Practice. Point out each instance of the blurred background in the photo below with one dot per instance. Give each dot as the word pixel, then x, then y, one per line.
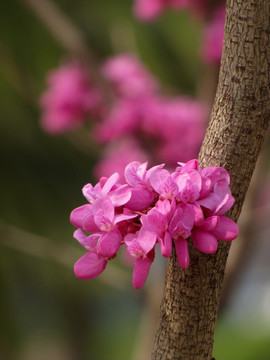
pixel 50 150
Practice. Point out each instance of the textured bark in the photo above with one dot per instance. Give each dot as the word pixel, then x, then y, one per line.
pixel 234 137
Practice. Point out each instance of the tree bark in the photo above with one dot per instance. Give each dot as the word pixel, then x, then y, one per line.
pixel 239 120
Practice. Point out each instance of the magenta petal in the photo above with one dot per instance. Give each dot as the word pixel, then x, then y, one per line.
pixel 146 240
pixel 131 173
pixel 89 224
pixel 88 242
pixel 210 223
pixel 226 230
pixel 121 195
pixel 158 179
pixel 103 210
pixel 88 192
pixel 181 247
pixel 190 165
pixel 140 272
pixel 206 187
pixel 182 221
pixel 78 214
pixel 89 266
pixel 216 174
pixel 111 181
pixel 198 215
pixel 225 205
pixel 204 241
pixel 141 199
pixel 210 202
pixel 166 245
pixel 109 244
pixel 154 221
pixel 122 217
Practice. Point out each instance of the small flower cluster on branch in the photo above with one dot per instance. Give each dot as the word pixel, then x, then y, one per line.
pixel 154 207
pixel 150 9
pixel 71 97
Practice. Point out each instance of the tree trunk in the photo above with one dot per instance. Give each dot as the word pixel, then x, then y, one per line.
pixel 234 137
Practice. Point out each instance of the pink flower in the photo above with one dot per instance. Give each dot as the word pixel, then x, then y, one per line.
pixel 157 221
pixel 69 99
pixel 163 183
pixel 149 9
pixel 185 121
pixel 91 264
pixel 122 119
pixel 212 229
pixel 215 194
pixel 140 246
pixel 128 76
pixel 106 220
pixel 108 188
pixel 180 230
pixel 142 193
pixel 213 37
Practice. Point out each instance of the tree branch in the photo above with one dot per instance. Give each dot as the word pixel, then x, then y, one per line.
pixel 239 120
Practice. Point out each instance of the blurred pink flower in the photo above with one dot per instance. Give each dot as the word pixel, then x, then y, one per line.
pixel 69 99
pixel 213 37
pixel 148 10
pixel 128 76
pixel 122 119
pixel 145 119
pixel 178 124
pixel 117 156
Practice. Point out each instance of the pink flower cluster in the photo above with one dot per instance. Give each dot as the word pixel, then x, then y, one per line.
pixel 150 9
pixel 69 99
pixel 139 113
pixel 154 207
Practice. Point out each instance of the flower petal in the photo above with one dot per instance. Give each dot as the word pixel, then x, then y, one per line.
pixel 89 266
pixel 210 223
pixel 198 215
pixel 89 193
pixel 88 242
pixel 121 195
pixel 146 239
pixel 77 215
pixel 190 165
pixel 140 272
pixel 225 205
pixel 182 221
pixel 103 211
pixel 226 230
pixel 204 241
pixel 141 199
pixel 131 174
pixel 122 217
pixel 166 244
pixel 111 181
pixel 109 244
pixel 89 224
pixel 160 179
pixel 181 247
pixel 154 221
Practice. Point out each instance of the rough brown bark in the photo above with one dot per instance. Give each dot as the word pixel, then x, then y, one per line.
pixel 234 137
